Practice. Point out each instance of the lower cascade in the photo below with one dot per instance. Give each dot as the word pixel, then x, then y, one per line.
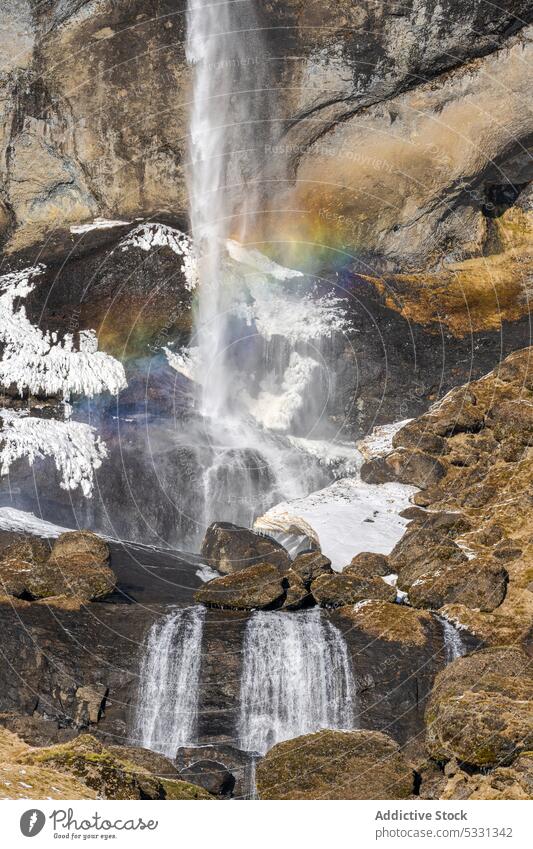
pixel 167 709
pixel 453 643
pixel 296 679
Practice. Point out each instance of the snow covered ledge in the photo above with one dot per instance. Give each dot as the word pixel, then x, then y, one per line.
pixel 38 363
pixel 350 516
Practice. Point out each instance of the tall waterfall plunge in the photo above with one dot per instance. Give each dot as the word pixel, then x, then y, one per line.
pixel 296 679
pixel 167 708
pixel 257 356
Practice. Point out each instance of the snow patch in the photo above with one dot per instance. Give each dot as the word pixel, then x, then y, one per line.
pixel 21 522
pixel 98 224
pixel 259 262
pixel 185 361
pixel 38 362
pixel 75 447
pixel 379 441
pixel 339 514
pixel 150 236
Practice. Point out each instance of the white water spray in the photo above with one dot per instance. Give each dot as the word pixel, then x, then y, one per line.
pixel 167 710
pixel 296 679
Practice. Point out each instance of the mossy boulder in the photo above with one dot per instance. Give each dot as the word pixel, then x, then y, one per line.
pixel 230 548
pixel 109 773
pixel 340 589
pixel 255 588
pixel 76 567
pixel 479 583
pixel 79 548
pixel 396 623
pixel 335 765
pixel 83 580
pixel 479 711
pixel 368 564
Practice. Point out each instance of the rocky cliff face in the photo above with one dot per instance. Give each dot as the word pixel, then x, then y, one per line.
pixel 412 114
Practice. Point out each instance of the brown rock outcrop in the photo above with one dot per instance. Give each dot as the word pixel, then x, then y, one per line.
pixel 335 765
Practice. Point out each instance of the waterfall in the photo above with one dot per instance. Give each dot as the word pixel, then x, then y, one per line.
pixel 229 105
pixel 296 679
pixel 167 708
pixel 453 642
pixel 259 371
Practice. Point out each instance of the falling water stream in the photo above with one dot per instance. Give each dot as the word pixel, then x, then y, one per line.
pixel 296 679
pixel 167 708
pixel 453 643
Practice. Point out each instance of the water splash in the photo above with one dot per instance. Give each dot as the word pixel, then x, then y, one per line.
pixel 296 679
pixel 167 709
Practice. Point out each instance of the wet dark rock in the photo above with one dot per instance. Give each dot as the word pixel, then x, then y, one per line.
pixel 236 762
pixel 36 730
pixel 230 549
pixel 212 776
pixel 335 765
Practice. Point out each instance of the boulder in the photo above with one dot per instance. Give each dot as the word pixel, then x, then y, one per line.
pixel 339 590
pixel 335 765
pixel 368 564
pixel 479 711
pixel 109 773
pixel 479 583
pixel 212 776
pixel 422 551
pixel 383 620
pixel 76 566
pixel 257 587
pixel 310 565
pixel 450 524
pixel 239 763
pixel 458 412
pixel 79 578
pixel 29 549
pixel 409 467
pixel 417 435
pixel 231 549
pixel 79 548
